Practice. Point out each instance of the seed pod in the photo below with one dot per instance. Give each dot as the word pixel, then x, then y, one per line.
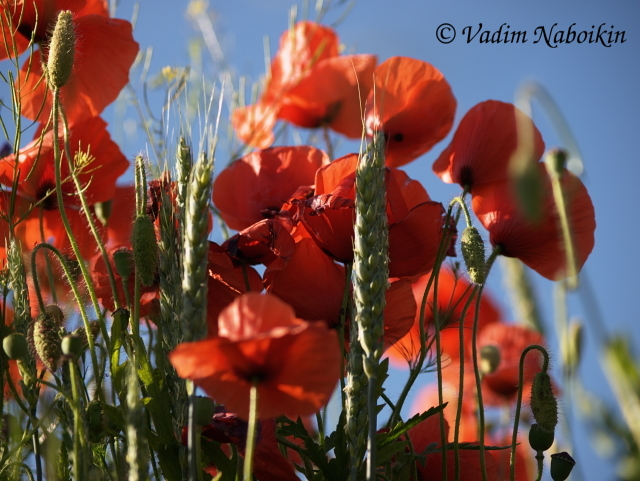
pixel 561 466
pixel 472 247
pixel 72 345
pixel 543 403
pixel 123 259
pixel 539 438
pixel 62 50
pixel 145 249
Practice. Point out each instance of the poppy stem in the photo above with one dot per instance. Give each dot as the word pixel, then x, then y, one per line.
pixel 456 432
pixel 516 421
pixel 251 431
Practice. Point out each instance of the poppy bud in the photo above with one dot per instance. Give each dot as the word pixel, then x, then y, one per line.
pixel 44 338
pixel 145 249
pixel 489 359
pixel 123 259
pixel 15 346
pixel 61 50
pixel 72 345
pixel 539 438
pixel 561 466
pixel 543 403
pixel 472 247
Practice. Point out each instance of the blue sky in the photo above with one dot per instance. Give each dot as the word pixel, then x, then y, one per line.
pixel 594 86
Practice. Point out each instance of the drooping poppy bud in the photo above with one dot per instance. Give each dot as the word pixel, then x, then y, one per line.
pixel 61 50
pixel 543 403
pixel 44 339
pixel 472 247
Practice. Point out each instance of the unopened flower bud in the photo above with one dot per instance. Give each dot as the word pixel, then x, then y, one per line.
pixel 72 345
pixel 123 259
pixel 15 346
pixel 145 249
pixel 561 466
pixel 543 403
pixel 489 359
pixel 61 50
pixel 472 247
pixel 45 339
pixel 539 438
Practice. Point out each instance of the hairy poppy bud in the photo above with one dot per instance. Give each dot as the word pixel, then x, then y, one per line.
pixel 145 249
pixel 44 338
pixel 539 438
pixel 561 466
pixel 123 259
pixel 489 359
pixel 61 50
pixel 543 403
pixel 472 247
pixel 15 346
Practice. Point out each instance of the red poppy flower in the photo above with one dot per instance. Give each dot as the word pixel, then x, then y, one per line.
pixel 501 386
pixel 103 164
pixel 453 292
pixel 104 52
pixel 483 144
pixel 412 103
pixel 309 86
pixel 538 244
pixel 295 363
pixel 426 434
pixel 255 187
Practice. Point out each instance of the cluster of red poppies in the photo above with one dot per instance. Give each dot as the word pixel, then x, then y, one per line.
pixel 294 210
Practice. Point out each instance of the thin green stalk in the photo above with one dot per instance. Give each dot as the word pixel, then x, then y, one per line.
pixel 251 431
pixel 456 432
pixel 79 467
pixel 55 112
pixel 476 370
pixel 516 421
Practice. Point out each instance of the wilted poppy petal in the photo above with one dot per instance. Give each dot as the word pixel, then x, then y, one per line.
pixel 261 243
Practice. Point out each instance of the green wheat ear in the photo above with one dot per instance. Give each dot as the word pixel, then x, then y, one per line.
pixel 145 249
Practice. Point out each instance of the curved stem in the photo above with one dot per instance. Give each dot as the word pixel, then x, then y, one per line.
pixel 514 439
